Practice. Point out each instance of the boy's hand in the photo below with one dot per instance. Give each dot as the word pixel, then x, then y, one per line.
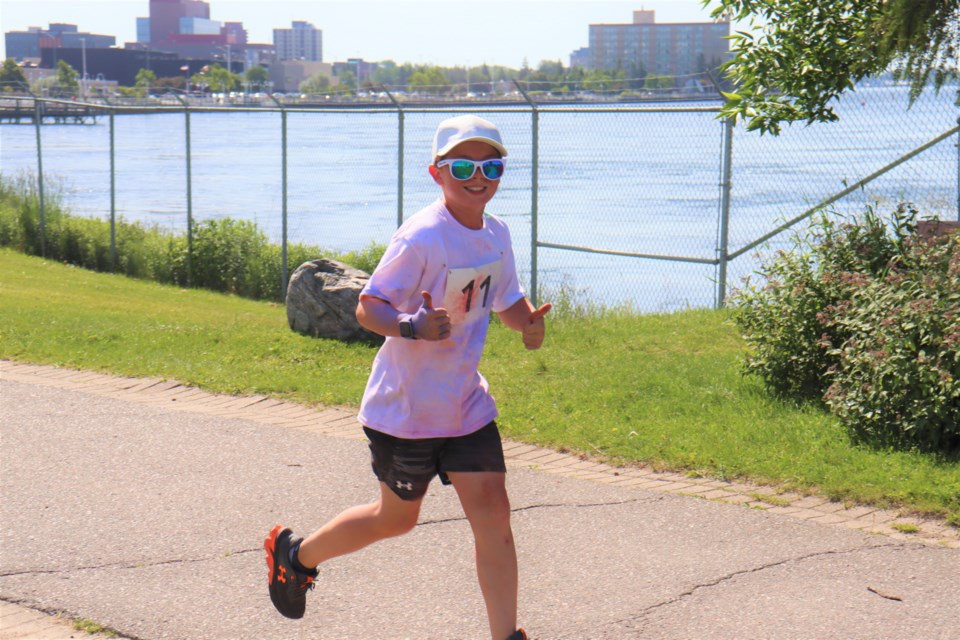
pixel 429 323
pixel 535 329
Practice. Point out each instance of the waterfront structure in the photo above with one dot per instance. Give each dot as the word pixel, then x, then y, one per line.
pixel 121 65
pixel 669 49
pixel 302 41
pixel 184 27
pixel 22 45
pixel 166 17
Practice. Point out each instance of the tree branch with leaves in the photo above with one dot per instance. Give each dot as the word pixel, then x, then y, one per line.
pixel 797 56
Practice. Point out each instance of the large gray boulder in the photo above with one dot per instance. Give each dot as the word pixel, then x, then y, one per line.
pixel 322 300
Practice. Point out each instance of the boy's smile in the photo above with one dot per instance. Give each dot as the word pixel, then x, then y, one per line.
pixel 466 199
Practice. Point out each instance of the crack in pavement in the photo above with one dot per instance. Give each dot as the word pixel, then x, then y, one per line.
pixel 638 618
pixel 558 505
pixel 126 565
pixel 160 563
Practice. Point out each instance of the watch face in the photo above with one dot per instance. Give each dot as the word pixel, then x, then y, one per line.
pixel 406 329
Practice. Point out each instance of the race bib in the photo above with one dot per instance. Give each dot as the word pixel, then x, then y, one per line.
pixel 470 292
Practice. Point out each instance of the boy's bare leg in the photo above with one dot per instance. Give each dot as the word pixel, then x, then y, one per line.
pixel 360 526
pixel 483 496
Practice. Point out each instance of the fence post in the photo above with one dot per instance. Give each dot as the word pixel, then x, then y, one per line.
pixel 38 121
pixel 534 192
pixel 113 197
pixel 401 116
pixel 186 114
pixel 284 279
pixel 725 187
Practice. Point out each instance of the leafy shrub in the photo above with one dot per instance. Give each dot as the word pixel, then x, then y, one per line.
pixel 365 259
pixel 780 316
pixel 864 315
pixel 897 380
pixel 224 256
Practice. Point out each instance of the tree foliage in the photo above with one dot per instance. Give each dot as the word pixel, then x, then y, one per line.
pixel 144 80
pixel 797 56
pixel 317 83
pixel 67 82
pixel 428 80
pixel 11 75
pixel 257 76
pixel 216 78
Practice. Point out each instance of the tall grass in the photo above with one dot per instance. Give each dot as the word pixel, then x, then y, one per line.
pixel 227 255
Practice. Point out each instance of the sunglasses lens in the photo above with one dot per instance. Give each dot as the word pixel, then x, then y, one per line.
pixel 493 169
pixel 462 169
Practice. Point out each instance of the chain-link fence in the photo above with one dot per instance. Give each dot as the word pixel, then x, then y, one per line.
pixel 658 207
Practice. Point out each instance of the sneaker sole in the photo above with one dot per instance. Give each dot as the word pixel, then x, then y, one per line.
pixel 270 546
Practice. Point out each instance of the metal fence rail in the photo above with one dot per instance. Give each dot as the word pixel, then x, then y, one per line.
pixel 599 192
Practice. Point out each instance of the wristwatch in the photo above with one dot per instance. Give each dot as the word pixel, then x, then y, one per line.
pixel 406 329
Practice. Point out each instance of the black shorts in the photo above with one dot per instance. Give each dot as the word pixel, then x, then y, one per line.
pixel 408 466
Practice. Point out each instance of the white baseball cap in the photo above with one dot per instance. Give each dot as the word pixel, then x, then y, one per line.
pixel 454 131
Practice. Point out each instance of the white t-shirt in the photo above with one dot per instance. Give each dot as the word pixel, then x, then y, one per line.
pixel 427 389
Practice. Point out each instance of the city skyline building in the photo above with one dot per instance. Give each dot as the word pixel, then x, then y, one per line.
pixel 668 49
pixel 166 17
pixel 302 41
pixel 184 27
pixel 22 45
pixel 199 27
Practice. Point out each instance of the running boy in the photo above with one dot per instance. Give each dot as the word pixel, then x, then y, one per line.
pixel 427 410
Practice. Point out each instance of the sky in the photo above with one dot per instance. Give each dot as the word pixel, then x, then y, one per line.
pixel 437 32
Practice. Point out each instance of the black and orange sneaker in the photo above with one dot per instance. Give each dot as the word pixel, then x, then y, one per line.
pixel 288 587
pixel 519 634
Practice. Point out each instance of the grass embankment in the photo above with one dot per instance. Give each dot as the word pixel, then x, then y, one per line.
pixel 665 390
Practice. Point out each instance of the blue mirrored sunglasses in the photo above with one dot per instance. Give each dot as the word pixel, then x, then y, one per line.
pixel 463 169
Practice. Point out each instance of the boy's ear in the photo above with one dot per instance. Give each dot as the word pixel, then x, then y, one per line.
pixel 434 173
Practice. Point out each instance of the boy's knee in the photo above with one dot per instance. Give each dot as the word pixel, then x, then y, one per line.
pixel 493 512
pixel 397 524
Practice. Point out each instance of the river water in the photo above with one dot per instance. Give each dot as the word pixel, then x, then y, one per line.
pixel 646 182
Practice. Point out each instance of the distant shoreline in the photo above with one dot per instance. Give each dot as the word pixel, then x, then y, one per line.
pixel 20 109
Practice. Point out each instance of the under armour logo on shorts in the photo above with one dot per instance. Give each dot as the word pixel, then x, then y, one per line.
pixel 405 485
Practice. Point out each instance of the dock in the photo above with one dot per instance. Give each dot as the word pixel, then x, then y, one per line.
pixel 22 111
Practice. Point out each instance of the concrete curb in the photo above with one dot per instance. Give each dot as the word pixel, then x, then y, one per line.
pixel 18 623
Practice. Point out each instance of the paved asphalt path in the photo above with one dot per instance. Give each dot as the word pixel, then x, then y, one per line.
pixel 150 521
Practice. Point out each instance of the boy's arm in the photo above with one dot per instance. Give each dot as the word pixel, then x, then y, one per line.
pixel 379 316
pixel 522 317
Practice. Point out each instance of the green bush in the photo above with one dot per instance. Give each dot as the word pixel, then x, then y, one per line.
pixel 225 255
pixel 780 316
pixel 864 315
pixel 897 380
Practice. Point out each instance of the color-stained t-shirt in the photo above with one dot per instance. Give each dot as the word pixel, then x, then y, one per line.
pixel 428 389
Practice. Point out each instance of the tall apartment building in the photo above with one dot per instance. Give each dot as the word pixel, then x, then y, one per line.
pixel 669 49
pixel 302 41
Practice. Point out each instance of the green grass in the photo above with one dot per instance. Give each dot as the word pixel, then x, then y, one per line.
pixel 91 627
pixel 664 390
